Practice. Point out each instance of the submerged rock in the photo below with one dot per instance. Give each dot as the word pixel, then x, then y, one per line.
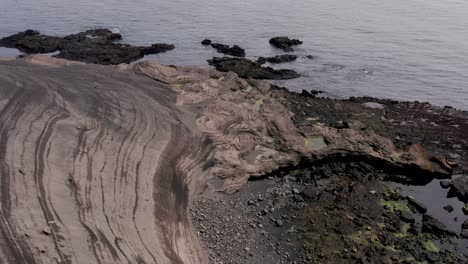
pixel 277 59
pixel 459 188
pixel 225 49
pixel 445 184
pixel 284 43
pixel 448 208
pixel 91 46
pixel 248 69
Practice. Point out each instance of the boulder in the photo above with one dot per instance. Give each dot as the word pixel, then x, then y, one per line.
pixel 459 188
pixel 248 69
pixel 284 43
pixel 206 42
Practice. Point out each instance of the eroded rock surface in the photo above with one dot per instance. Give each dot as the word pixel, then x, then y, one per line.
pixel 91 46
pixel 94 165
pixel 100 164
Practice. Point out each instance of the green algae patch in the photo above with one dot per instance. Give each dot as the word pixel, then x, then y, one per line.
pixel 258 104
pixel 430 246
pixel 404 231
pixel 394 205
pixel 183 83
pixel 315 142
pixel 391 248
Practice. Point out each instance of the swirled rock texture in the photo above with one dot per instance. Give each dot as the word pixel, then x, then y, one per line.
pixel 95 166
pixel 99 164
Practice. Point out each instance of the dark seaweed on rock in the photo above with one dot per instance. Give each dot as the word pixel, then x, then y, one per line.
pixel 91 46
pixel 248 69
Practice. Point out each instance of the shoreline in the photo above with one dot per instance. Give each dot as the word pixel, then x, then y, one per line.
pixel 219 132
pixel 119 53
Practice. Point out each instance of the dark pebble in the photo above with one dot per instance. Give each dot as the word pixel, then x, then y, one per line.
pixel 448 208
pixel 407 217
pixel 445 184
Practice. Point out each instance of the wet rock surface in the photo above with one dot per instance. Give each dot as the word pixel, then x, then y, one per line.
pixel 343 210
pixel 91 46
pixel 226 49
pixel 245 68
pixel 334 212
pixel 284 43
pixel 459 188
pixel 277 59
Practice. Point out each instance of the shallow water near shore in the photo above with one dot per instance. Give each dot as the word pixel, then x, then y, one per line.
pixel 404 50
pixel 435 198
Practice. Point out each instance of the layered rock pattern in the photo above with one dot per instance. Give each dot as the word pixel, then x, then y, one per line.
pixel 99 164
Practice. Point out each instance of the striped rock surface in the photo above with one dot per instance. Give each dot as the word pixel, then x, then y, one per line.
pixel 99 164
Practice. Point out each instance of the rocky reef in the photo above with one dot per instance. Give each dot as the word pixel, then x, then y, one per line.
pixel 245 68
pixel 91 46
pixel 146 163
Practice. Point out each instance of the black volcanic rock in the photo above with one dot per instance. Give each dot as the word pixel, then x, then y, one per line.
pixel 31 41
pixel 284 43
pixel 225 49
pixel 206 42
pixel 248 69
pixel 91 46
pixel 434 226
pixel 277 59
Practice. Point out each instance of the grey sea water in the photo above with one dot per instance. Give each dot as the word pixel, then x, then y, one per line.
pixel 398 49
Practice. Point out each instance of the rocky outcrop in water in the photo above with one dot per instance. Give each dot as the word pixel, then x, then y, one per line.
pixel 91 46
pixel 284 43
pixel 277 59
pixel 235 50
pixel 206 42
pixel 248 69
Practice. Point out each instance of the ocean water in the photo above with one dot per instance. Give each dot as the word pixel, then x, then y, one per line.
pixel 404 50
